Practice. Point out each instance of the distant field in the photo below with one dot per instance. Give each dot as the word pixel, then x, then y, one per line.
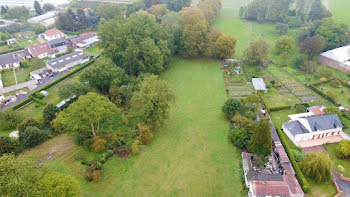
pixel 340 10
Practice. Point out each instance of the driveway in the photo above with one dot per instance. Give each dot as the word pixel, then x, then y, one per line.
pixel 344 186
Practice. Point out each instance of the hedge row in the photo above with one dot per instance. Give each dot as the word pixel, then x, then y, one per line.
pixel 300 176
pixel 325 96
pixel 11 50
pixel 3 43
pixel 31 95
pixel 70 32
pixel 279 108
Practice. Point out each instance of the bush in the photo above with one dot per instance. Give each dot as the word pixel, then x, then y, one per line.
pixel 135 147
pixel 78 140
pixel 343 149
pixel 32 136
pixel 30 122
pixel 279 108
pixel 299 156
pixel 300 108
pixel 317 166
pixel 145 134
pixel 38 95
pixel 49 113
pixel 97 176
pixel 335 83
pixel 231 107
pixel 98 144
pixel 7 145
pixel 239 137
pixel 88 143
pixel 9 119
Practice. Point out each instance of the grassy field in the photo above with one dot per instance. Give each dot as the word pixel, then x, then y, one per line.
pixel 340 10
pixel 190 156
pixel 331 148
pixel 342 93
pixel 94 50
pixel 8 76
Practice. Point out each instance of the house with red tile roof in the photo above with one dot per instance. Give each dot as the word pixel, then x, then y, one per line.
pixel 52 34
pixel 40 50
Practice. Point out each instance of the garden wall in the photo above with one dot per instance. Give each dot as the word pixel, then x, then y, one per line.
pixel 334 64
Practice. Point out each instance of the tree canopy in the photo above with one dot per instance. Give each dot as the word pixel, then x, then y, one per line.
pixel 85 114
pixel 261 142
pixel 138 44
pixel 54 184
pixel 317 166
pixel 152 101
pixel 257 53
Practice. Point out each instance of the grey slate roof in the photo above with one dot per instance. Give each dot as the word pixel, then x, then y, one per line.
pixel 259 176
pixel 324 122
pixel 67 59
pixel 10 58
pixel 57 41
pixel 295 127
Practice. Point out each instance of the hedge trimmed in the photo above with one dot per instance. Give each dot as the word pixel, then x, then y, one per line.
pixel 279 108
pixel 40 102
pixel 12 50
pixel 300 176
pixel 325 96
pixel 70 32
pixel 31 95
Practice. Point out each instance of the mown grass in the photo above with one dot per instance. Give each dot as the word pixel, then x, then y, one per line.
pixel 331 148
pixel 189 156
pixel 340 10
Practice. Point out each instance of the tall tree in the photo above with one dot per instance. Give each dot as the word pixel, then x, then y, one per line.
pixel 317 166
pixel 85 114
pixel 336 35
pixel 225 46
pixel 284 44
pixel 194 31
pixel 312 46
pixel 74 88
pixel 49 113
pixel 152 101
pixel 19 176
pixel 261 142
pixel 3 10
pixel 177 5
pixel 138 44
pixel 257 53
pixel 100 76
pixel 318 11
pixel 37 8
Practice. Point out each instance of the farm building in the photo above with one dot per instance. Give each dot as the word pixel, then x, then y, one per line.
pixel 46 19
pixel 67 61
pixel 259 84
pixel 338 58
pixel 313 128
pixel 11 41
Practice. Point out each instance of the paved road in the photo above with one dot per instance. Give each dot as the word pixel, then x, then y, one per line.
pixel 22 97
pixel 344 186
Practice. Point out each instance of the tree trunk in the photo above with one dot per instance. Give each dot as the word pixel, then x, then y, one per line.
pixel 93 129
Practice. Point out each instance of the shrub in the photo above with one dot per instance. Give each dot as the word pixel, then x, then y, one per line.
pixel 135 147
pixel 145 133
pixel 341 169
pixel 88 143
pixel 299 156
pixel 323 79
pixel 9 119
pixel 98 144
pixel 109 153
pixel 7 145
pixel 279 108
pixel 335 83
pixel 231 107
pixel 317 166
pixel 243 122
pixel 97 176
pixel 49 113
pixel 300 108
pixel 30 122
pixel 238 137
pixel 343 149
pixel 32 136
pixel 38 95
pixel 78 140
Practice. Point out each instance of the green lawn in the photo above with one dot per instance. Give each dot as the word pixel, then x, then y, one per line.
pixel 8 76
pixel 94 50
pixel 321 189
pixel 342 93
pixel 343 162
pixel 340 10
pixel 190 156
